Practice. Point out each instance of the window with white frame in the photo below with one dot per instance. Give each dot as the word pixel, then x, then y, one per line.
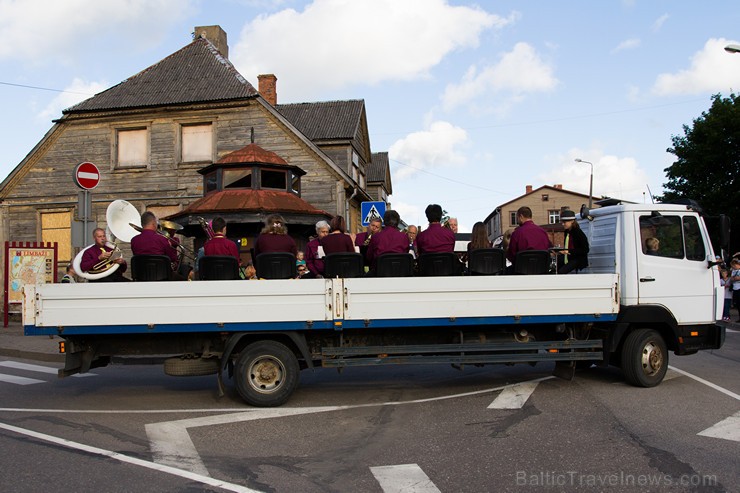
pixel 197 142
pixel 512 218
pixel 553 216
pixel 132 148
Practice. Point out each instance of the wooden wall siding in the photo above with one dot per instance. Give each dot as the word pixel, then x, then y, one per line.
pixel 49 183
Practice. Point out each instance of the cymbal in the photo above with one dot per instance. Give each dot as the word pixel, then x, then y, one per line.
pixel 170 225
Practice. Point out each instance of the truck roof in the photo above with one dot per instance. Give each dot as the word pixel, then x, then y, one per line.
pixel 617 209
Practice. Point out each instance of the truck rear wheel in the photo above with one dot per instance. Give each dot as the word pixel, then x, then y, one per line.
pixel 266 374
pixel 644 358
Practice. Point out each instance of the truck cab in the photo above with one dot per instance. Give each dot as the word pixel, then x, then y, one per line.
pixel 668 278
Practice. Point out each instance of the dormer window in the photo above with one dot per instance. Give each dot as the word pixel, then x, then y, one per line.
pixel 237 178
pixel 273 179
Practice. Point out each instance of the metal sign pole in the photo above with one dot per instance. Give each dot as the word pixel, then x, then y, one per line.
pixel 85 215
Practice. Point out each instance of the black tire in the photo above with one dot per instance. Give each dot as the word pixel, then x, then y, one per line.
pixel 644 358
pixel 266 374
pixel 191 367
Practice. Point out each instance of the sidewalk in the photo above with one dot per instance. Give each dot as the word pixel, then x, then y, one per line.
pixel 46 348
pixel 39 348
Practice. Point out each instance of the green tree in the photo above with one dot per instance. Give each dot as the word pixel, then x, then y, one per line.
pixel 707 166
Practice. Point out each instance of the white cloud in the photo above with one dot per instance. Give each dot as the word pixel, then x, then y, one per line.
pixel 77 91
pixel 627 44
pixel 658 24
pixel 436 147
pixel 335 43
pixel 44 29
pixel 614 176
pixel 410 213
pixel 711 70
pixel 517 73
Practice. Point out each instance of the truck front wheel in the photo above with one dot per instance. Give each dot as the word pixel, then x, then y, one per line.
pixel 644 358
pixel 266 374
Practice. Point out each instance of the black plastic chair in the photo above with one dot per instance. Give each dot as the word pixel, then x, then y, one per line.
pixel 278 265
pixel 218 268
pixel 439 264
pixel 343 264
pixel 151 268
pixel 529 262
pixel 486 262
pixel 394 265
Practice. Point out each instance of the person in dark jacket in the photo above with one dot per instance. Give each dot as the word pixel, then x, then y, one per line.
pixel 574 256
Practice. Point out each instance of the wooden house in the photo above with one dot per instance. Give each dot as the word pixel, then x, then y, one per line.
pixel 153 133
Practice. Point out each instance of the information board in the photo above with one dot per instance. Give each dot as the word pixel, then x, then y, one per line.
pixel 27 263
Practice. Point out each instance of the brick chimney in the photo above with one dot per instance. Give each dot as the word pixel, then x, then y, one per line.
pixel 216 36
pixel 528 189
pixel 559 186
pixel 268 87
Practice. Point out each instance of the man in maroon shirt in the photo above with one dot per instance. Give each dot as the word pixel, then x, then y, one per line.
pixel 528 236
pixel 150 242
pixel 219 244
pixel 436 238
pixel 100 253
pixel 388 240
pixel 361 239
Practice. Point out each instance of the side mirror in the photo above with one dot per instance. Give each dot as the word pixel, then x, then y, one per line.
pixel 724 232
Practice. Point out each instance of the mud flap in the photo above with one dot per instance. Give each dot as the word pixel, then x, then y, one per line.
pixel 565 370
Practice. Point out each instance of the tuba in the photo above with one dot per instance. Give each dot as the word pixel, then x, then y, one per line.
pixel 120 215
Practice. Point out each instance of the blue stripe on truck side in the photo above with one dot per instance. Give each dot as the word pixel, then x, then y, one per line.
pixel 32 330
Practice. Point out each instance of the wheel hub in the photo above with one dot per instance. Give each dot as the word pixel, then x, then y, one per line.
pixel 266 374
pixel 652 359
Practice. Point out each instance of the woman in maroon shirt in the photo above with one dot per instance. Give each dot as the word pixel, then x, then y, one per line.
pixel 337 240
pixel 274 237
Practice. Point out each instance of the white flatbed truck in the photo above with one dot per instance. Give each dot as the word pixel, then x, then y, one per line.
pixel 627 309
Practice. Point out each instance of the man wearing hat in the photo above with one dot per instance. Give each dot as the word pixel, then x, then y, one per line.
pixel 574 256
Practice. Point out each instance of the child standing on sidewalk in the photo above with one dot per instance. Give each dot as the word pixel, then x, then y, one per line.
pixel 727 283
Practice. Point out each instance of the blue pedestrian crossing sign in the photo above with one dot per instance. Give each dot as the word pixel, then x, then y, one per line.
pixel 370 211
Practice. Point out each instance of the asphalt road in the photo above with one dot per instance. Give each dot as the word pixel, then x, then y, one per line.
pixel 426 428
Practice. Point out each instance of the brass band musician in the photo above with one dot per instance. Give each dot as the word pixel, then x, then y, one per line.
pixel 99 257
pixel 150 242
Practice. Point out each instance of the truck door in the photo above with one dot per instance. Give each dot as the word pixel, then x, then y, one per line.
pixel 672 266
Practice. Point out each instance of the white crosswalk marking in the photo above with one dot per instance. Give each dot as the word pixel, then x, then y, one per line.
pixel 18 380
pixel 37 368
pixel 404 478
pixel 514 397
pixel 728 429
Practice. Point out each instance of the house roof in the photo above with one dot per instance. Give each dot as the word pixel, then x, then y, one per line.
pixel 327 120
pixel 543 187
pixel 245 201
pixel 379 170
pixel 196 73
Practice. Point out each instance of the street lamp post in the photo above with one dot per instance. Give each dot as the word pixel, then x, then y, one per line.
pixel 590 184
pixel 732 48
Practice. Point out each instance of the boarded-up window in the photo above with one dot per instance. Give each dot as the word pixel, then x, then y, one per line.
pixel 197 142
pixel 133 148
pixel 57 226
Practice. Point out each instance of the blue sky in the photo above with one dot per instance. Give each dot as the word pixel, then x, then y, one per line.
pixel 473 100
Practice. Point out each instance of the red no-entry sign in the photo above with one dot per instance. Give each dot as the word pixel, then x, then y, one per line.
pixel 87 176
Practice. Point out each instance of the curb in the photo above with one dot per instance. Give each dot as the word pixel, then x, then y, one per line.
pixel 32 355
